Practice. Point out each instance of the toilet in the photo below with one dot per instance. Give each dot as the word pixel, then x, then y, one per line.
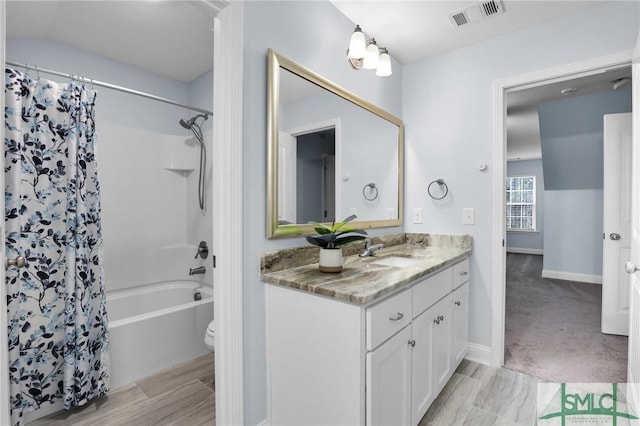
pixel 209 337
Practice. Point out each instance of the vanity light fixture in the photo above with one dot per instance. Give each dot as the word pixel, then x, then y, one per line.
pixel 363 55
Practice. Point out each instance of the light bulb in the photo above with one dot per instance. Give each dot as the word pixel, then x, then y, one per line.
pixel 372 57
pixel 384 64
pixel 357 45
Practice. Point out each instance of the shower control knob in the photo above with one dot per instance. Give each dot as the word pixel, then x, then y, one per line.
pixel 19 261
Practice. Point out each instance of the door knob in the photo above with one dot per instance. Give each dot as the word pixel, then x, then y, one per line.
pixel 19 261
pixel 630 267
pixel 614 236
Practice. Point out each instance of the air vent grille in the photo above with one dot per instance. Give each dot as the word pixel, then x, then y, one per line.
pixel 476 12
pixel 460 19
pixel 491 8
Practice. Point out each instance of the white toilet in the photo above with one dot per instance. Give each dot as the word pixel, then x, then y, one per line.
pixel 210 336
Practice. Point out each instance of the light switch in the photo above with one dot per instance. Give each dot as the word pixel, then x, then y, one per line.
pixel 354 211
pixel 468 216
pixel 417 215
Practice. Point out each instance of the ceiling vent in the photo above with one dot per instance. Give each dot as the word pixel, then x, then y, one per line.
pixel 476 12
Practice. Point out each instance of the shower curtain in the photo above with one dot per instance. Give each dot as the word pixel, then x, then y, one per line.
pixel 58 343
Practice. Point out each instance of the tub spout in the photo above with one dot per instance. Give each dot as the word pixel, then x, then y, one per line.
pixel 197 271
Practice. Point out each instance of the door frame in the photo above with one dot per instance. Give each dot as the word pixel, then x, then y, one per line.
pixel 332 123
pixel 500 87
pixel 227 217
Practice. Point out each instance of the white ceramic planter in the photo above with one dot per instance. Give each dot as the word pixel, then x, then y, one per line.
pixel 330 260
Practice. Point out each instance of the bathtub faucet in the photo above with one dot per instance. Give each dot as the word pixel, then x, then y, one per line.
pixel 197 271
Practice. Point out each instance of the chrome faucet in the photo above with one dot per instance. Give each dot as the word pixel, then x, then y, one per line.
pixel 370 249
pixel 197 271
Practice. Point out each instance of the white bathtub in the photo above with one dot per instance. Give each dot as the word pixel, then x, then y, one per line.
pixel 156 326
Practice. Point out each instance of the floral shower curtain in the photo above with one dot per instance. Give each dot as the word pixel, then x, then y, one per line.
pixel 58 343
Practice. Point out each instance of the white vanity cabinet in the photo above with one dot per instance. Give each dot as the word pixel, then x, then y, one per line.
pixel 335 363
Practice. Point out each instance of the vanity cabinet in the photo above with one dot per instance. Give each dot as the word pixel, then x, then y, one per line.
pixel 331 362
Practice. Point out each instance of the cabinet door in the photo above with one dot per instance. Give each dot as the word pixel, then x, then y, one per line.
pixel 389 381
pixel 460 323
pixel 422 394
pixel 442 322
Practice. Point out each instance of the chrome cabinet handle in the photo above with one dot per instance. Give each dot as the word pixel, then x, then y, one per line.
pixel 397 317
pixel 631 268
pixel 19 261
pixel 614 236
pixel 464 273
pixel 412 343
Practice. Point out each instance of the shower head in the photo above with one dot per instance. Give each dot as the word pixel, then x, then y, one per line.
pixel 188 124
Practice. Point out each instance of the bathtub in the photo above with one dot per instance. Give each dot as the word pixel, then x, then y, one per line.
pixel 156 326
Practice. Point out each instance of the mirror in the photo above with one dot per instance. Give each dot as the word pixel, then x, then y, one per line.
pixel 331 154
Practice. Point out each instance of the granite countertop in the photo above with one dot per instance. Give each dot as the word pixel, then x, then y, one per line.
pixel 362 281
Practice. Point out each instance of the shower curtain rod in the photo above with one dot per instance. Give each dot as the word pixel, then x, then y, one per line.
pixel 108 86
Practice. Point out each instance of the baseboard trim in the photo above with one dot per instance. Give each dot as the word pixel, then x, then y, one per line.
pixel 479 353
pixel 572 276
pixel 524 250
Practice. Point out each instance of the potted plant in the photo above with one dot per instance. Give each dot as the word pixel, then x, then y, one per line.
pixel 330 239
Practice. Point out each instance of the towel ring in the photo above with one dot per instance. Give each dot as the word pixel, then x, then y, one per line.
pixel 373 188
pixel 440 182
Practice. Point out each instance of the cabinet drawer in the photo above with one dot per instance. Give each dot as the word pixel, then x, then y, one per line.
pixel 432 289
pixel 387 318
pixel 460 273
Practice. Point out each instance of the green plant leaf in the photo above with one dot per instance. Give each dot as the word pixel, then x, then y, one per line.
pixel 321 228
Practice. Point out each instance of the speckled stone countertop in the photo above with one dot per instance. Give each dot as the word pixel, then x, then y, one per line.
pixel 362 281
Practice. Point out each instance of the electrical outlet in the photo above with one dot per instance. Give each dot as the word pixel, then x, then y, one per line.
pixel 354 211
pixel 391 213
pixel 468 216
pixel 417 215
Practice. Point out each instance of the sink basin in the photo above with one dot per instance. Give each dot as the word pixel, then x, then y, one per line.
pixel 397 261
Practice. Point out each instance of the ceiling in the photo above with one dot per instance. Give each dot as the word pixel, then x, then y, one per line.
pixel 171 38
pixel 523 127
pixel 174 38
pixel 414 30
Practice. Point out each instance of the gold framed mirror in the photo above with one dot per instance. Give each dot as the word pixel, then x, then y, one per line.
pixel 330 154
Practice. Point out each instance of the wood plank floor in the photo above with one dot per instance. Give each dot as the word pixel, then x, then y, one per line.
pixel 478 395
pixel 183 395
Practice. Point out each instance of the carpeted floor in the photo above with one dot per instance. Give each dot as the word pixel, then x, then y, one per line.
pixel 552 328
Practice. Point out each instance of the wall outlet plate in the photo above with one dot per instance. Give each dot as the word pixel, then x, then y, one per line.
pixel 417 215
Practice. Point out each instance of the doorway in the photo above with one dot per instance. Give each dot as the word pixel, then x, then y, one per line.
pixel 561 75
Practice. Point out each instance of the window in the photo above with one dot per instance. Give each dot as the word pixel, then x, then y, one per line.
pixel 521 203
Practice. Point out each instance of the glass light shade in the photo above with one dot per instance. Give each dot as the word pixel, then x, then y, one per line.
pixel 373 56
pixel 357 45
pixel 384 64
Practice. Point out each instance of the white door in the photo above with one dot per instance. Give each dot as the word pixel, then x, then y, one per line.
pixel 422 394
pixel 633 377
pixel 442 323
pixel 616 223
pixel 460 323
pixel 389 382
pixel 287 157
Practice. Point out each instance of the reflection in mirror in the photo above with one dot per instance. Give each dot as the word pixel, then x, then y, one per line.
pixel 331 154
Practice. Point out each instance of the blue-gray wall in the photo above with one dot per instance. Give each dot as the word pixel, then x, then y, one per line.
pixel 571 136
pixel 529 240
pixel 571 132
pixel 448 109
pixel 316 35
pixel 118 108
